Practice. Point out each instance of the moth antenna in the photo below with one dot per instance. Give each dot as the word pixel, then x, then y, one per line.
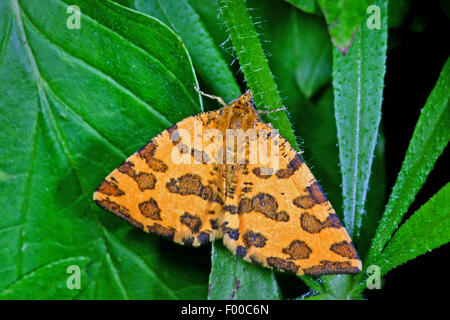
pixel 210 96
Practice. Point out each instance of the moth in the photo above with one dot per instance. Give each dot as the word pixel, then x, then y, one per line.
pixel 275 217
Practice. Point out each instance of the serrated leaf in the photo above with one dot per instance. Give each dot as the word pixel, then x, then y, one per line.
pixel 428 228
pixel 358 80
pixel 431 135
pixel 77 103
pixel 343 18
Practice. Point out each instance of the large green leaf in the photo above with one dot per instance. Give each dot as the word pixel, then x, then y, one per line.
pixel 76 103
pixel 50 280
pixel 343 18
pixel 428 228
pixel 431 135
pixel 206 56
pixel 358 80
pixel 309 6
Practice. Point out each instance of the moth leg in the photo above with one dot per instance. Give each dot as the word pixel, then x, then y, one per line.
pixel 210 96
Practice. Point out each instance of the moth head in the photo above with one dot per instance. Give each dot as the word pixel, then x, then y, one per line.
pixel 242 112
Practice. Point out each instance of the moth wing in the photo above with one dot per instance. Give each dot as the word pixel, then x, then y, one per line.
pixel 284 221
pixel 154 192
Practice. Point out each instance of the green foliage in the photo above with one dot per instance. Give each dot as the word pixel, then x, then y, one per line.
pixel 78 102
pixel 427 229
pixel 75 107
pixel 343 18
pixel 358 79
pixel 431 135
pixel 207 59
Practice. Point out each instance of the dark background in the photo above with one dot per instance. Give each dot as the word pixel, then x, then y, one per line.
pixel 418 51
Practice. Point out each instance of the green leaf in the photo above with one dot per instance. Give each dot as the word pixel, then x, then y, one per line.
pixel 308 6
pixel 430 137
pixel 358 80
pixel 428 228
pixel 207 59
pixel 308 54
pixel 47 282
pixel 375 195
pixel 343 18
pixel 234 279
pixel 78 102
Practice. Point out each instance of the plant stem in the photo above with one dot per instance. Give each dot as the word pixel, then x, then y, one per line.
pixel 254 64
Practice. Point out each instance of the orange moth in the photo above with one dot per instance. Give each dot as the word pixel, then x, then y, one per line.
pixel 199 181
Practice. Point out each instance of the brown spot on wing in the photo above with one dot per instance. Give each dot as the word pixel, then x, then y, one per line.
pixel 298 249
pixel 241 251
pixel 292 166
pixel 145 181
pixel 191 184
pixel 127 168
pixel 254 239
pixel 162 231
pixel 214 224
pixel 192 222
pixel 263 173
pixel 157 165
pixel 150 209
pixel 232 233
pixel 147 153
pixel 203 237
pixel 231 209
pixel 330 267
pixel 264 203
pixel 315 196
pixel 345 249
pixel 316 193
pixel 267 205
pixel 110 188
pixel 281 264
pixel 311 224
pixel 245 205
pixel 304 202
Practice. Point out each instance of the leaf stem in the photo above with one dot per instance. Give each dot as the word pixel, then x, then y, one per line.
pixel 254 64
